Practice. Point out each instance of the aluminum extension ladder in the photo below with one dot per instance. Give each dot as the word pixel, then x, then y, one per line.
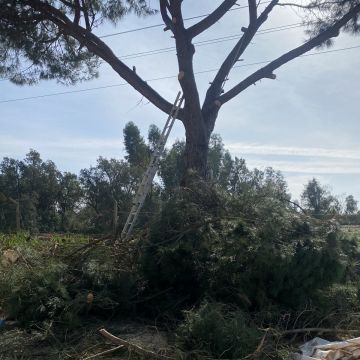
pixel 149 175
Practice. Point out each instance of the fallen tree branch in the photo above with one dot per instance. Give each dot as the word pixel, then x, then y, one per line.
pixel 132 347
pixel 317 330
pixel 89 245
pixel 104 352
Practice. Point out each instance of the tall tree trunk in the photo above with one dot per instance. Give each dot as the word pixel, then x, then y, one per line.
pixel 115 217
pixel 18 226
pixel 197 144
pixel 17 213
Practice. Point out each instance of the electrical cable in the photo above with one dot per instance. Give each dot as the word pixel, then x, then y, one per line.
pixel 162 24
pixel 198 44
pixel 168 77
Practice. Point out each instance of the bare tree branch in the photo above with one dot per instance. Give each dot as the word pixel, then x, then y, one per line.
pixel 267 71
pixel 215 88
pixel 252 12
pixel 309 6
pixel 99 48
pixel 86 16
pixel 211 19
pixel 164 6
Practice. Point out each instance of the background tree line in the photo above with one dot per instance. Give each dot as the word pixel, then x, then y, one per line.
pixel 36 196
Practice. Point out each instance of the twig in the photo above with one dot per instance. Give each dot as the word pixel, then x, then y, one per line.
pixel 318 330
pixel 104 352
pixel 89 245
pixel 258 348
pixel 261 344
pixel 132 347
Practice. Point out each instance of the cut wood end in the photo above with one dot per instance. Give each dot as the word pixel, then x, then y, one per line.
pixel 217 103
pixel 270 76
pixel 174 20
pixel 90 298
pixel 181 75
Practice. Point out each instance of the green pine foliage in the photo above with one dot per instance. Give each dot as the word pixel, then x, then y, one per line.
pixel 218 332
pixel 27 37
pixel 199 247
pixel 222 258
pixel 47 283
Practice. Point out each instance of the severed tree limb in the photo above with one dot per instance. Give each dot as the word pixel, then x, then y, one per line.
pixel 104 352
pixel 164 7
pixel 211 19
pixel 132 347
pixel 319 330
pixel 267 71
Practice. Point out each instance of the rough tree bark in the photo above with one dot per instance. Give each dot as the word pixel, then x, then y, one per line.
pixel 198 119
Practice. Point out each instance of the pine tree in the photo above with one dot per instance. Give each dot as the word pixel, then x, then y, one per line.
pixel 57 39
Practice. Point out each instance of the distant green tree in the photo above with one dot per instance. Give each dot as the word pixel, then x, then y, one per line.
pixel 215 156
pixel 135 146
pixel 154 134
pixel 41 185
pixel 110 186
pixel 10 195
pixel 351 205
pixel 69 198
pixel 30 192
pixel 318 200
pixel 172 166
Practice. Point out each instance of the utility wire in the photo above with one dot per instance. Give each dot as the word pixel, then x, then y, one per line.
pixel 210 41
pixel 198 44
pixel 162 24
pixel 168 77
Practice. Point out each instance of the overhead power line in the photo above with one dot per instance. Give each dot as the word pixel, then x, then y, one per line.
pixel 168 77
pixel 210 41
pixel 162 24
pixel 199 43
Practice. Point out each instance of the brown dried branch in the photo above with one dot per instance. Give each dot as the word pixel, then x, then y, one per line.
pixel 132 347
pixel 104 352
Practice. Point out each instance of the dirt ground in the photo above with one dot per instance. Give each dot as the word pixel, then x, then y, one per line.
pixel 85 343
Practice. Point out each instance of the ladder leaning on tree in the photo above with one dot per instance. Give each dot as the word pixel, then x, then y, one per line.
pixel 150 172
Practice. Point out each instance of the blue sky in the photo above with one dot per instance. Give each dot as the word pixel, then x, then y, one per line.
pixel 305 123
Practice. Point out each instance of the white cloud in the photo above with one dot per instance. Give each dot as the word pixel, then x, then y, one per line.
pixel 309 166
pixel 258 149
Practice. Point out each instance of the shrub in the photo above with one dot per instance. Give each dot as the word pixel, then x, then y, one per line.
pixel 212 330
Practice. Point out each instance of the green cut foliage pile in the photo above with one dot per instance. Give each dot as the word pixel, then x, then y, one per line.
pixel 206 243
pixel 226 271
pixel 49 280
pixel 217 332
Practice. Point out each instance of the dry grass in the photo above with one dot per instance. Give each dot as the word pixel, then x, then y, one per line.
pixel 352 230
